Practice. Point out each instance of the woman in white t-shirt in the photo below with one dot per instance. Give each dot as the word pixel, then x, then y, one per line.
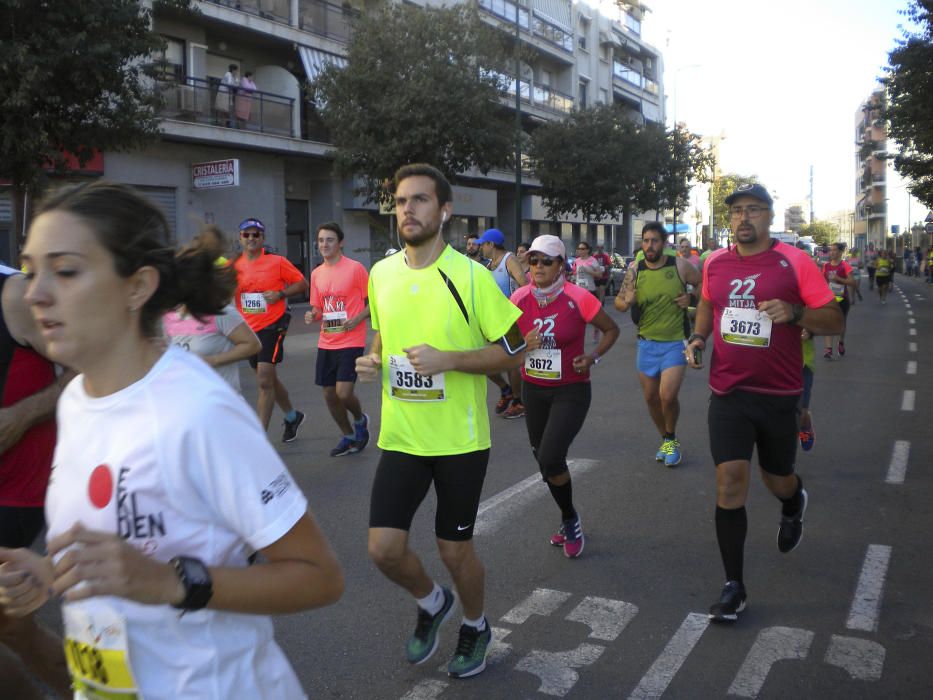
pixel 164 482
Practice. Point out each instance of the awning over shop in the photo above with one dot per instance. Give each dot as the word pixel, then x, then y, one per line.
pixel 314 61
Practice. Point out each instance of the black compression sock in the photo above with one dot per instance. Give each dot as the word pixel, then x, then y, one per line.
pixel 790 506
pixel 731 527
pixel 563 496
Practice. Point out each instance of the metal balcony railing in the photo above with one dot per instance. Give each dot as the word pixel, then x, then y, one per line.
pixel 506 10
pixel 549 98
pixel 206 102
pixel 326 19
pixel 623 72
pixel 276 10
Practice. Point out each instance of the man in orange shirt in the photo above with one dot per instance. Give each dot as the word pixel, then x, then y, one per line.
pixel 339 289
pixel 264 281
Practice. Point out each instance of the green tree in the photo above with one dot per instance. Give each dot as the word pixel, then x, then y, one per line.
pixel 823 232
pixel 909 82
pixel 723 186
pixel 588 164
pixel 421 84
pixel 599 164
pixel 72 81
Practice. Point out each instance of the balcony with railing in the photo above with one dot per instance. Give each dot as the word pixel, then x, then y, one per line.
pixel 552 34
pixel 625 73
pixel 652 87
pixel 504 9
pixel 206 102
pixel 326 19
pixel 541 96
pixel 275 10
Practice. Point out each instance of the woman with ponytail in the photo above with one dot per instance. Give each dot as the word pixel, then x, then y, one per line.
pixel 163 484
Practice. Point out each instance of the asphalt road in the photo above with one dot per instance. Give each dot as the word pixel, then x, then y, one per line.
pixel 846 615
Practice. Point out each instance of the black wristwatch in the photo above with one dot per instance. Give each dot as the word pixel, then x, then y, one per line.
pixel 197 582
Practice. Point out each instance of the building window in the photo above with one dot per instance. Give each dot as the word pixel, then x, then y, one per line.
pixel 584 30
pixel 583 86
pixel 169 63
pixel 604 96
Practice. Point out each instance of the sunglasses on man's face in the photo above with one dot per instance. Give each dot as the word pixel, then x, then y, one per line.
pixel 254 234
pixel 534 261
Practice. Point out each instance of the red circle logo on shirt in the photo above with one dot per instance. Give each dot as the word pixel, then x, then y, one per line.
pixel 100 486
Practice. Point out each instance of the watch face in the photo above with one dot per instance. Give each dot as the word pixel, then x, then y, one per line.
pixel 196 572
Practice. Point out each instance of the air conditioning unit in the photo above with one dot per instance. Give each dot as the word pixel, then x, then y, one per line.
pixel 187 99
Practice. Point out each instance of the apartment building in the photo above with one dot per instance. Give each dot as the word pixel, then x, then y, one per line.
pixel 225 156
pixel 872 165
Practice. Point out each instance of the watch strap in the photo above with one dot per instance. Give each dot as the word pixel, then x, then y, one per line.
pixel 196 580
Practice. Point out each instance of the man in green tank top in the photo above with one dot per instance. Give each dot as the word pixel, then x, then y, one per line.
pixel 656 286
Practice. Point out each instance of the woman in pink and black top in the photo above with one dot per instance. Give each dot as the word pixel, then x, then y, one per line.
pixel 556 375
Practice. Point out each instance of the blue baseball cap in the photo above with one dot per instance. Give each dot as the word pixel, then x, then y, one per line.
pixel 492 235
pixel 252 223
pixel 751 190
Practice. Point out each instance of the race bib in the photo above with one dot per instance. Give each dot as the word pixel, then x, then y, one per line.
pixel 332 321
pixel 96 651
pixel 543 364
pixel 838 289
pixel 405 384
pixel 253 303
pixel 745 327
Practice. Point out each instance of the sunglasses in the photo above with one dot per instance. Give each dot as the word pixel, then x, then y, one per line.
pixel 534 261
pixel 255 234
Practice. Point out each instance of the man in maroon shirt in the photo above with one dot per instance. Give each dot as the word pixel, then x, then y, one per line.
pixel 757 295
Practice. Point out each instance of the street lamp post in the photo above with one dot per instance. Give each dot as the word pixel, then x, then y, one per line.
pixel 518 129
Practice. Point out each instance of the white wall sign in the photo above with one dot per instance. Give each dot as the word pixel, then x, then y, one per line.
pixel 215 173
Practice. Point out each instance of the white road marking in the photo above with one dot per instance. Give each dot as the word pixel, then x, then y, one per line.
pixel 499 649
pixel 912 331
pixel 665 667
pixel 426 690
pixel 911 347
pixel 897 469
pixel 555 669
pixel 910 398
pixel 909 311
pixel 911 367
pixel 542 601
pixel 863 615
pixel 495 510
pixel 862 659
pixel 911 321
pixel 605 617
pixel 773 644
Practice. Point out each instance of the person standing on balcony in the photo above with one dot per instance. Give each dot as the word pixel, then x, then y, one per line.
pixel 225 92
pixel 244 99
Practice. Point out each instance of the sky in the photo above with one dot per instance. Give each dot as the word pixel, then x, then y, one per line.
pixel 782 80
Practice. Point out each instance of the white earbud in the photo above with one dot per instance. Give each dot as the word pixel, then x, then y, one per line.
pixel 443 217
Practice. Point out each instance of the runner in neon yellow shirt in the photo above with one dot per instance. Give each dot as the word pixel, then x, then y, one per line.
pixel 442 325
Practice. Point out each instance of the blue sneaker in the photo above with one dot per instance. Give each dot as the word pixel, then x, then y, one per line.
pixel 472 647
pixel 346 446
pixel 423 643
pixel 672 454
pixel 661 454
pixel 361 433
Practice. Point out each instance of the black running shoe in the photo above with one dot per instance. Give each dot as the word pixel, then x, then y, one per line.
pixel 791 530
pixel 291 427
pixel 731 603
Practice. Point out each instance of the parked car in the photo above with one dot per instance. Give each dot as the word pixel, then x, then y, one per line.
pixel 620 264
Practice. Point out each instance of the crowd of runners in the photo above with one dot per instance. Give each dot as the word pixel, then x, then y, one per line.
pixel 174 529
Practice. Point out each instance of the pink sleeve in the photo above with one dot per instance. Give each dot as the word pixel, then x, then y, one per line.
pixel 589 305
pixel 314 298
pixel 363 281
pixel 846 269
pixel 704 287
pixel 814 290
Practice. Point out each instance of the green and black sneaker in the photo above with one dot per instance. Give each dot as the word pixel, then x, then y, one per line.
pixel 472 647
pixel 423 643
